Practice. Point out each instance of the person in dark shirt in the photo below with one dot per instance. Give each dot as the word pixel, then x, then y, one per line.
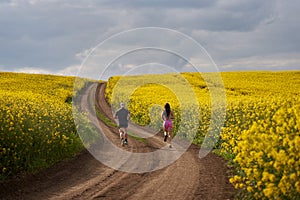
pixel 123 116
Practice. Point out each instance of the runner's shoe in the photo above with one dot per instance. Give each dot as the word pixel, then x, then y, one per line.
pixel 126 142
pixel 165 138
pixel 122 142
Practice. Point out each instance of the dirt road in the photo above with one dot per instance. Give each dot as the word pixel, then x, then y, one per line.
pixel 84 177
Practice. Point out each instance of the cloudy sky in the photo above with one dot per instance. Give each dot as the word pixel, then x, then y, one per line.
pixel 55 36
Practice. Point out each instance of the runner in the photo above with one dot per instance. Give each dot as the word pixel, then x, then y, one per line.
pixel 123 116
pixel 167 115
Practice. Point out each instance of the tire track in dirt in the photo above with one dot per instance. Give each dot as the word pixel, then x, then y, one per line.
pixel 86 178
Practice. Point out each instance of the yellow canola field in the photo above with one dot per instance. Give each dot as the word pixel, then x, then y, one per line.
pixel 36 123
pixel 260 136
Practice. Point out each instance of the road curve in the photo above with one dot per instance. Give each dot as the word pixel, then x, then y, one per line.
pixel 84 177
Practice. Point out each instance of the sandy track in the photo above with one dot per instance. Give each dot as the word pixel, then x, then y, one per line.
pixel 86 178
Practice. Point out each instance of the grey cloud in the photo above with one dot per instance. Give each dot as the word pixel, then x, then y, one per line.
pixel 164 4
pixel 48 21
pixel 240 16
pixel 276 35
pixel 4 1
pixel 50 33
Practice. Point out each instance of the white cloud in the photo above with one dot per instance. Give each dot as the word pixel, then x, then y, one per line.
pixel 272 62
pixel 69 71
pixel 33 70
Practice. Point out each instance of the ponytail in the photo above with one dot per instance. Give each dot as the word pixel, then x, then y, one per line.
pixel 168 109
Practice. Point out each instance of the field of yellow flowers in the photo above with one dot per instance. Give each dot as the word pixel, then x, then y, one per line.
pixel 36 122
pixel 260 136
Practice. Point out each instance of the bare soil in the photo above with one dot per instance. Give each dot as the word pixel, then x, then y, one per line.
pixel 84 177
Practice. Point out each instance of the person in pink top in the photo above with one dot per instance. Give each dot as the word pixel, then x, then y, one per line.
pixel 167 116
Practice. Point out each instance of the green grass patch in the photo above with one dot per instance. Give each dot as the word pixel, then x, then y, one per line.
pixel 132 135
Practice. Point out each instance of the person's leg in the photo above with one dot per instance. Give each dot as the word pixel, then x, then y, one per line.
pixel 170 128
pixel 121 133
pixel 125 135
pixel 170 135
pixel 165 136
pixel 121 136
pixel 170 132
pixel 165 128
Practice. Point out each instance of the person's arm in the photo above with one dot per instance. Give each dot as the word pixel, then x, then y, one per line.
pixel 128 116
pixel 172 115
pixel 115 115
pixel 163 116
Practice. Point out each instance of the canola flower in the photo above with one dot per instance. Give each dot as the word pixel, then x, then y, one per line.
pixel 36 122
pixel 267 154
pixel 260 137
